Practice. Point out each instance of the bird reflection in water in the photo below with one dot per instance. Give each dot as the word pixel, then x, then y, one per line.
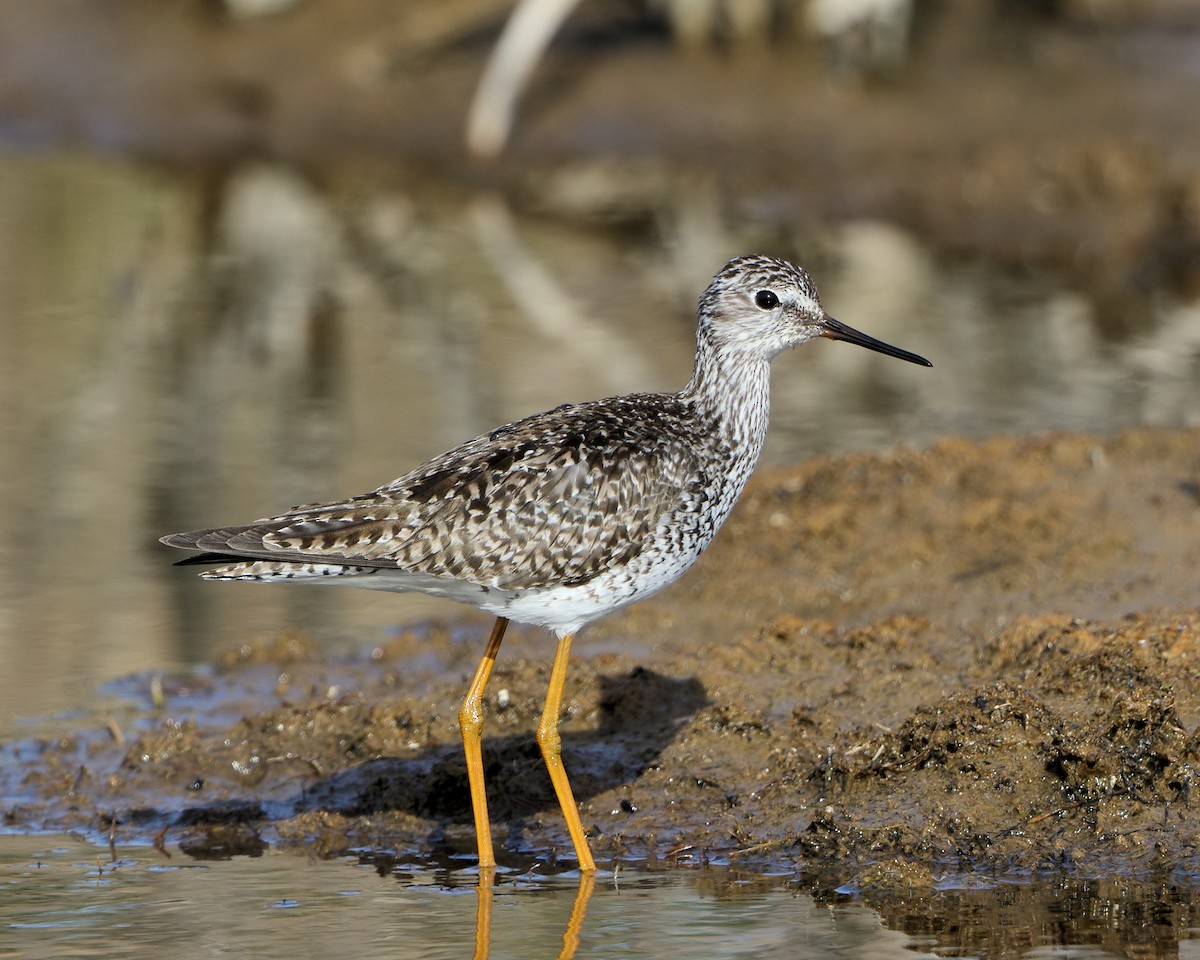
pixel 483 914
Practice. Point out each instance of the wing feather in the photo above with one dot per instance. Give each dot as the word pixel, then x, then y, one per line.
pixel 557 498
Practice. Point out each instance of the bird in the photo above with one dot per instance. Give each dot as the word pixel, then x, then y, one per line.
pixel 564 516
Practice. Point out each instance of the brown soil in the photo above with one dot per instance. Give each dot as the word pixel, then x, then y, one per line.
pixel 887 665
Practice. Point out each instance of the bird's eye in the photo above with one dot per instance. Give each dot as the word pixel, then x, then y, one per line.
pixel 766 299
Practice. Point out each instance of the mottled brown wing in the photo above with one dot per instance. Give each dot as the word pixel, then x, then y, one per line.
pixel 557 498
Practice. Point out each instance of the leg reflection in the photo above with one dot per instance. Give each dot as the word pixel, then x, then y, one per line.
pixel 571 935
pixel 483 915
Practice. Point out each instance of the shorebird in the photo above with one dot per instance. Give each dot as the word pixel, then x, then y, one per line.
pixel 564 516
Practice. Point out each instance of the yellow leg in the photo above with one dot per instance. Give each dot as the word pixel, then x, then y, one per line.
pixel 470 719
pixel 548 740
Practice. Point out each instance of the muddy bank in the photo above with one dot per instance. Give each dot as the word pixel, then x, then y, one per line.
pixel 979 656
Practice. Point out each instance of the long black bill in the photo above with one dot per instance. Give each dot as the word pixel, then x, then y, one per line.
pixel 836 330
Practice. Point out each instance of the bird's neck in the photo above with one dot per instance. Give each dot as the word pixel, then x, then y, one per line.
pixel 732 389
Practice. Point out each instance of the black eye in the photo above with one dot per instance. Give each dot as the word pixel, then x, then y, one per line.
pixel 766 299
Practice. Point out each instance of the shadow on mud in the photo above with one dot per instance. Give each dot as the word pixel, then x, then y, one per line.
pixel 640 713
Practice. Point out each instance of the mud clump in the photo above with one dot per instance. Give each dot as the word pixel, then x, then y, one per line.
pixel 888 666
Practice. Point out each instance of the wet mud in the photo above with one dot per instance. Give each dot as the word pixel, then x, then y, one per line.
pixel 980 656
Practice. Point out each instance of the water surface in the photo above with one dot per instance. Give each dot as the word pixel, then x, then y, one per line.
pixel 63 898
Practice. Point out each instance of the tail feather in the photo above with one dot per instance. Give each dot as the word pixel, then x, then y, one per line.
pixel 245 544
pixel 205 558
pixel 212 538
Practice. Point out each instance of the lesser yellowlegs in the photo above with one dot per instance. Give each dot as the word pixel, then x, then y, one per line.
pixel 564 516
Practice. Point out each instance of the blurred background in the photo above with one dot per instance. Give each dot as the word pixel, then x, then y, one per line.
pixel 263 252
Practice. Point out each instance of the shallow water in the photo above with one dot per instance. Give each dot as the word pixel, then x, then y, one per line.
pixel 64 898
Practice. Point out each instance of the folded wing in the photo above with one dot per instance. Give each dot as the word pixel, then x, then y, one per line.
pixel 528 505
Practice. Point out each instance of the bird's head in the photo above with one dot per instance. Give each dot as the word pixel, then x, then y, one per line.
pixel 757 306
